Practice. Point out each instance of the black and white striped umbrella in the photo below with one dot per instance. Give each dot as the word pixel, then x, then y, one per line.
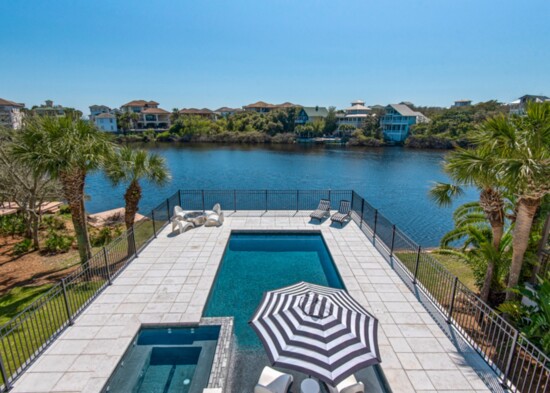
pixel 317 330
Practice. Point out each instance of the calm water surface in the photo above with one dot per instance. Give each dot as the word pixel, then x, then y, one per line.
pixel 395 180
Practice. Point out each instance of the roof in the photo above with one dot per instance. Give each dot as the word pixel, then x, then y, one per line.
pixel 155 111
pixel 259 104
pixel 529 97
pixel 99 106
pixel 286 105
pixel 404 110
pixel 136 103
pixel 315 111
pixel 10 103
pixel 105 116
pixel 463 101
pixel 227 109
pixel 195 111
pixel 358 107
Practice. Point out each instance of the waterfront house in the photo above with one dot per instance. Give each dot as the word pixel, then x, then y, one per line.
pixel 460 103
pixel 150 115
pixel 264 107
pixel 11 115
pixel 397 121
pixel 106 122
pixel 204 112
pixel 97 110
pixel 517 107
pixel 355 115
pixel 309 114
pixel 49 109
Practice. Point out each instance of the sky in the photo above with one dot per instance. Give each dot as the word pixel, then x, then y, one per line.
pixel 206 53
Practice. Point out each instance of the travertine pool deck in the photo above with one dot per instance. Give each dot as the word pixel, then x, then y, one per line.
pixel 170 281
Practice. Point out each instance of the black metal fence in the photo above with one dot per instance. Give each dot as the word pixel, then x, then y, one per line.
pixel 28 334
pixel 521 366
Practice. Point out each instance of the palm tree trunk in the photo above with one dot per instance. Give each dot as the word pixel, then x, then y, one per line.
pixel 526 209
pixel 132 198
pixel 542 246
pixel 72 183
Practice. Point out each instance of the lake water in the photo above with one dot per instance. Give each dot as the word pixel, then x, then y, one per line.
pixel 395 180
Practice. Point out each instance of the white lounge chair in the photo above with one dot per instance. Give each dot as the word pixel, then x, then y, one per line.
pixel 181 225
pixel 348 385
pixel 273 381
pixel 178 212
pixel 215 217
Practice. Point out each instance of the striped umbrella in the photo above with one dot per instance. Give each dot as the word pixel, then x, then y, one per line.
pixel 317 330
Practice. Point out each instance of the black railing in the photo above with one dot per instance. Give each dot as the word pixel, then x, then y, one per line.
pixel 521 366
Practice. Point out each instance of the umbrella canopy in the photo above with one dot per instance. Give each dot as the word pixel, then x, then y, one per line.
pixel 317 330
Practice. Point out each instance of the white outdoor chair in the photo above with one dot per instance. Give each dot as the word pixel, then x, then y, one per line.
pixel 178 213
pixel 181 225
pixel 348 385
pixel 215 217
pixel 273 381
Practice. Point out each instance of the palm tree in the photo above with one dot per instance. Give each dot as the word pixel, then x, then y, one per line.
pixel 520 152
pixel 131 166
pixel 474 168
pixel 65 148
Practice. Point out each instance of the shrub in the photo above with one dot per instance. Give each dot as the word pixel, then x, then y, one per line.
pixel 12 225
pixel 104 236
pixel 65 209
pixel 53 223
pixel 22 247
pixel 56 243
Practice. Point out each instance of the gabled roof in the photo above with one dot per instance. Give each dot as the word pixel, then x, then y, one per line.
pixel 227 109
pixel 358 107
pixel 315 111
pixel 529 97
pixel 155 111
pixel 99 106
pixel 10 103
pixel 286 105
pixel 136 103
pixel 404 110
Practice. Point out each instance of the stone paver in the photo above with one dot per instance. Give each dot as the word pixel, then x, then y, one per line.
pixel 170 281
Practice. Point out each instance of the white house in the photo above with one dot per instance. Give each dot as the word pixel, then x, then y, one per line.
pixel 106 122
pixel 355 115
pixel 517 107
pixel 11 115
pixel 97 110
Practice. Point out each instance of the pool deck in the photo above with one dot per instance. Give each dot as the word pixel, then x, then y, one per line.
pixel 170 281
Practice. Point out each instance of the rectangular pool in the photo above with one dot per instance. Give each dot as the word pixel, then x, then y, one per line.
pixel 255 262
pixel 165 360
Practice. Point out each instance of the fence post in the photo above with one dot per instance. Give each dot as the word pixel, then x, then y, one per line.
pixel 509 361
pixel 362 210
pixel 453 295
pixel 107 265
pixel 179 197
pixel 7 385
pixel 154 225
pixel 266 200
pixel 67 305
pixel 297 200
pixel 235 200
pixel 416 266
pixel 167 210
pixel 375 222
pixel 329 195
pixel 133 234
pixel 202 191
pixel 392 241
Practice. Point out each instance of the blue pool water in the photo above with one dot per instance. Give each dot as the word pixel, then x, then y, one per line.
pixel 257 262
pixel 166 360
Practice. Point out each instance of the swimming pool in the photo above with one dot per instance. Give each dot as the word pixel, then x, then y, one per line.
pixel 165 360
pixel 255 262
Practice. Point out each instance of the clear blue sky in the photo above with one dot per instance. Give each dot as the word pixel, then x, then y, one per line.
pixel 214 53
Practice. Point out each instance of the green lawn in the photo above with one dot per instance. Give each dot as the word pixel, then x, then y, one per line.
pixel 458 268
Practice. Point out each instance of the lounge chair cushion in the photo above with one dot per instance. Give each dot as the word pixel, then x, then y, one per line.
pixel 322 211
pixel 214 219
pixel 348 385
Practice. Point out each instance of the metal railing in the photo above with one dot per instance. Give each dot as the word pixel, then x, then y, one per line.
pixel 521 366
pixel 29 333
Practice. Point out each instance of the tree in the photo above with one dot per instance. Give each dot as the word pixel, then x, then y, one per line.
pixel 331 122
pixel 519 148
pixel 131 166
pixel 68 149
pixel 475 168
pixel 25 187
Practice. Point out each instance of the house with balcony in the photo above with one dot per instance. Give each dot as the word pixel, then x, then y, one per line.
pixel 204 112
pixel 96 110
pixel 150 115
pixel 397 121
pixel 461 103
pixel 355 115
pixel 309 114
pixel 517 107
pixel 264 107
pixel 106 122
pixel 11 115
pixel 49 109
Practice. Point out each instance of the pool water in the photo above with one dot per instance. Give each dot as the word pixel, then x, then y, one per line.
pixel 256 262
pixel 166 360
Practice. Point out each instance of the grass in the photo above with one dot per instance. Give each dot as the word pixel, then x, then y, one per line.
pixel 458 268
